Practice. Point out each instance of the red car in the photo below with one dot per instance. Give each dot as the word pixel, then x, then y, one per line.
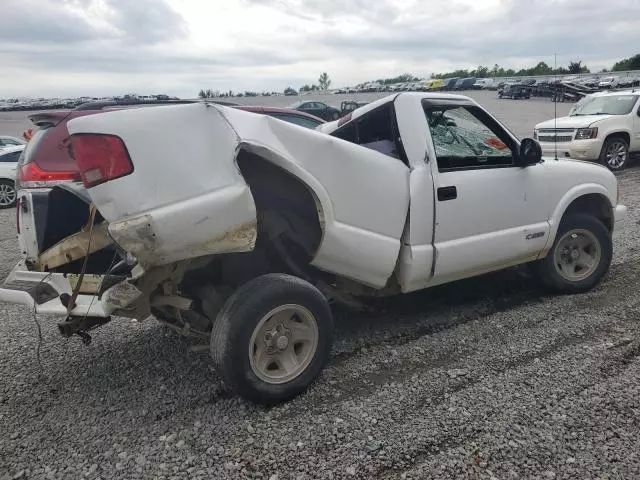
pixel 46 160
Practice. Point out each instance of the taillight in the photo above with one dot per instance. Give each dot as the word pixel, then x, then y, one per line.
pixel 32 176
pixel 100 158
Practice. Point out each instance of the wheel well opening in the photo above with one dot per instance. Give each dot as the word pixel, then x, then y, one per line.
pixel 623 135
pixel 594 204
pixel 278 196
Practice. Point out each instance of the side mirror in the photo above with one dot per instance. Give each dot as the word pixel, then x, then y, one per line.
pixel 530 152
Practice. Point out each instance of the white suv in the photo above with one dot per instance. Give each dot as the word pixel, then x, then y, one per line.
pixel 602 127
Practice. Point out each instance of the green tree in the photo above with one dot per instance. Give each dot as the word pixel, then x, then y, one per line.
pixel 481 72
pixel 324 81
pixel 208 93
pixel 577 67
pixel 632 63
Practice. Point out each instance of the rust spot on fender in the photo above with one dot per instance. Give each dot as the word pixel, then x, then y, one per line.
pixel 240 238
pixel 135 235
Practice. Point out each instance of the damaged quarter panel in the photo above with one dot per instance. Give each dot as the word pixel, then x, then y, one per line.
pixel 185 197
pixel 364 194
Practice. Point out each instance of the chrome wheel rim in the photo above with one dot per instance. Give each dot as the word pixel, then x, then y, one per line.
pixel 577 255
pixel 283 344
pixel 616 154
pixel 7 194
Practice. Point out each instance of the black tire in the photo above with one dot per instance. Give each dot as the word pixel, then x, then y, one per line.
pixel 235 325
pixel 8 194
pixel 611 143
pixel 547 271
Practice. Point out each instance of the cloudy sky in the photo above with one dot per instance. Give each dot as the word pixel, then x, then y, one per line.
pixel 105 47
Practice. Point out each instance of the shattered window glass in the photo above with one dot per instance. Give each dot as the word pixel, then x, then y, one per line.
pixel 463 141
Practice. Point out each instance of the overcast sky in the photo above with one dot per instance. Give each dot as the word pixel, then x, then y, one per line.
pixel 106 47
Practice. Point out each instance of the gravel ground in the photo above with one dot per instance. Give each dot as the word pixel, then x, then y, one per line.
pixel 486 378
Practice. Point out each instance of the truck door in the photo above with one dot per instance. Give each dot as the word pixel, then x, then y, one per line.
pixel 483 221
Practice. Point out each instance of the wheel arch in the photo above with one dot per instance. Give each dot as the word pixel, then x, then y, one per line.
pixel 590 198
pixel 625 135
pixel 265 171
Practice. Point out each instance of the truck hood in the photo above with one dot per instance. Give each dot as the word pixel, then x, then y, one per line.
pixel 576 121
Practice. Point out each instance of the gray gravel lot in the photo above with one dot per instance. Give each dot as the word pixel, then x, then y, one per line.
pixel 486 378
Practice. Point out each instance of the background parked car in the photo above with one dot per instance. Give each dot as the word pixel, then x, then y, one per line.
pixel 514 91
pixel 609 82
pixel 465 83
pixel 434 84
pixel 449 83
pixel 319 109
pixel 8 166
pixel 349 106
pixel 8 141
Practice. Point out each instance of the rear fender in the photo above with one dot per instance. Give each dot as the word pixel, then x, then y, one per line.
pixel 169 209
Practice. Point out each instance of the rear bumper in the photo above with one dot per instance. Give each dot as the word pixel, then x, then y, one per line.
pixel 41 292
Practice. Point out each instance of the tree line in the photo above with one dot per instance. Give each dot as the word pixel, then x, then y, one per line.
pixel 324 82
pixel 542 68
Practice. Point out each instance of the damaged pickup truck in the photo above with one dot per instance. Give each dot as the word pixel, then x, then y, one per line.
pixel 242 229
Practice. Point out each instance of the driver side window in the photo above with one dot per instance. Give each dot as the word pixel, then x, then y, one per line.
pixel 466 138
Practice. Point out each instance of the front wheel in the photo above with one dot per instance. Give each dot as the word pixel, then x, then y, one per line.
pixel 7 194
pixel 272 338
pixel 580 255
pixel 615 153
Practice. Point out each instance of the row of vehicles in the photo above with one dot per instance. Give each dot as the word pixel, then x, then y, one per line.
pixel 570 89
pixel 595 82
pixel 242 230
pixel 434 84
pixel 21 104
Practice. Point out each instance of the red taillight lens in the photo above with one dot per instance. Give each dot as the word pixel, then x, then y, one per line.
pixel 32 176
pixel 100 158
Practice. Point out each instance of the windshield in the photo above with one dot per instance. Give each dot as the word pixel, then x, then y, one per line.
pixel 609 105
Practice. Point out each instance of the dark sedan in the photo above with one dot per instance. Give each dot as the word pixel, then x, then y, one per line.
pixel 319 109
pixel 286 114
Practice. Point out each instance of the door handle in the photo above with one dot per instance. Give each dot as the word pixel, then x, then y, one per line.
pixel 447 193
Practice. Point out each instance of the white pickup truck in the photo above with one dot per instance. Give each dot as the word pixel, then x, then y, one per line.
pixel 242 229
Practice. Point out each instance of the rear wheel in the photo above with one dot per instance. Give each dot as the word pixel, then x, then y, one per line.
pixel 615 153
pixel 7 194
pixel 580 255
pixel 272 338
